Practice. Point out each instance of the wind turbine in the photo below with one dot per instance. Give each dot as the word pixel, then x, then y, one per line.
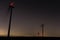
pixel 42 25
pixel 11 6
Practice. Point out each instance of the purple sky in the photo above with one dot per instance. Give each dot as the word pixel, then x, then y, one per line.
pixel 28 17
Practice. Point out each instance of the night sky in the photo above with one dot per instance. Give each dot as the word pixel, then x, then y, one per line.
pixel 28 15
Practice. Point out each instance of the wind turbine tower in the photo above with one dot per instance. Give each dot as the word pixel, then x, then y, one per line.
pixel 11 6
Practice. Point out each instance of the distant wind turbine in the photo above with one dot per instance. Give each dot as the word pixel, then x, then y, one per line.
pixel 42 25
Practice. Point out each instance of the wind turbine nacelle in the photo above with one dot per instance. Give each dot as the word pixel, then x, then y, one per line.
pixel 11 4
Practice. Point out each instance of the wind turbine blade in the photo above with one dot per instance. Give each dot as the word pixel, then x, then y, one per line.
pixel 8 10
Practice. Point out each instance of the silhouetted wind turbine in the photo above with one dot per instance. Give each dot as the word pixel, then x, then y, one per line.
pixel 38 34
pixel 11 6
pixel 42 30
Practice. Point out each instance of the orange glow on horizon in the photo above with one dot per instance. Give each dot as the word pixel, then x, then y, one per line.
pixel 2 32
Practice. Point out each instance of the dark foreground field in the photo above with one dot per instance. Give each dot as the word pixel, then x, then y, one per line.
pixel 30 38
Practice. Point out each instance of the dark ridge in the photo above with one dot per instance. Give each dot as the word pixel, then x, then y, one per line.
pixel 28 38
